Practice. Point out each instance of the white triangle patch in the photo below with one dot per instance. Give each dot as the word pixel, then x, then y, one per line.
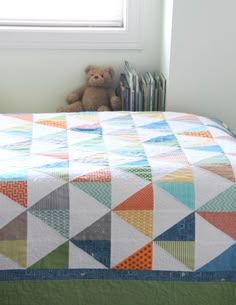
pixel 167 211
pixel 79 259
pixel 116 159
pixel 129 186
pixel 162 260
pixel 78 168
pixel 76 137
pixel 8 264
pixel 10 122
pixel 9 210
pixel 210 242
pixel 104 116
pixel 195 156
pixel 232 159
pixel 41 130
pixel 41 239
pixel 207 185
pixel 38 160
pixel 40 185
pixel 161 169
pixel 125 240
pixel 84 210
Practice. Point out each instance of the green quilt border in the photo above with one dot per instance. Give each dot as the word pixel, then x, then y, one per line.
pixel 115 292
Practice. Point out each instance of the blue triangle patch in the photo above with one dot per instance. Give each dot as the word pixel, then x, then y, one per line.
pixel 182 191
pixel 138 163
pixel 223 262
pixel 213 148
pixel 197 129
pixel 98 249
pixel 120 120
pixel 21 175
pixel 63 164
pixel 130 152
pixel 167 138
pixel 22 132
pixel 93 130
pixel 161 126
pixel 182 231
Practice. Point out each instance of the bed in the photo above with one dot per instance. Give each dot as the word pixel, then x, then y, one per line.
pixel 117 208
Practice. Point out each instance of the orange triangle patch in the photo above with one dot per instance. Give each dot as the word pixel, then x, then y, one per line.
pixel 224 221
pixel 15 229
pixel 63 156
pixel 181 158
pixel 202 134
pixel 23 116
pixel 140 260
pixel 102 175
pixel 15 190
pixel 52 123
pixel 187 117
pixel 141 200
pixel 223 170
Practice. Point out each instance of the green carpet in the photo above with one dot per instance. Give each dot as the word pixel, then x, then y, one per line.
pixel 105 292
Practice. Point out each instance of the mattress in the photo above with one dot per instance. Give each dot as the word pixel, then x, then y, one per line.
pixel 117 208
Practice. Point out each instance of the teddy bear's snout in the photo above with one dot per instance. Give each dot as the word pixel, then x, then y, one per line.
pixel 96 80
pixel 97 76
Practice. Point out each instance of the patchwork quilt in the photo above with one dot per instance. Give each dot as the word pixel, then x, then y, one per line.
pixel 117 195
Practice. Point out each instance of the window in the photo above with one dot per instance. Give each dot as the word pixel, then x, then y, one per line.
pixel 110 24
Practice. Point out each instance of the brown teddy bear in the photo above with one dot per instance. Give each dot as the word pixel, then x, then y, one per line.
pixel 96 94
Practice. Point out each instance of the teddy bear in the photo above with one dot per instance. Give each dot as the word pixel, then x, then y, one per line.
pixel 96 94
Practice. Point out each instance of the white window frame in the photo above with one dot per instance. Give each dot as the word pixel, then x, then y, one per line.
pixel 128 37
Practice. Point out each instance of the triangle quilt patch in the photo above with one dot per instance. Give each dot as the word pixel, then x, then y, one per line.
pixel 140 260
pixel 57 259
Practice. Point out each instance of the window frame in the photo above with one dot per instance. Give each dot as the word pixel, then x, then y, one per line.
pixel 128 37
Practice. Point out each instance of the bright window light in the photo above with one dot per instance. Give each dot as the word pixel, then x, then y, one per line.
pixel 82 13
pixel 68 24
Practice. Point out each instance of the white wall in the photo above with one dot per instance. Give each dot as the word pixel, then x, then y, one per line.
pixel 202 63
pixel 167 13
pixel 38 80
pixel 197 53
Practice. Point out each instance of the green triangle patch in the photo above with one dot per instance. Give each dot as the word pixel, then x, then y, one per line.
pixel 184 251
pixel 97 143
pixel 101 191
pixel 224 202
pixel 15 250
pixel 143 172
pixel 57 259
pixel 61 173
pixel 220 159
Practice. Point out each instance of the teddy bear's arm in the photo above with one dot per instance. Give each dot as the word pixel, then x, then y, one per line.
pixel 114 100
pixel 76 95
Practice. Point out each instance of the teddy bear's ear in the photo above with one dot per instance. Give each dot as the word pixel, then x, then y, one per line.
pixel 89 68
pixel 111 71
